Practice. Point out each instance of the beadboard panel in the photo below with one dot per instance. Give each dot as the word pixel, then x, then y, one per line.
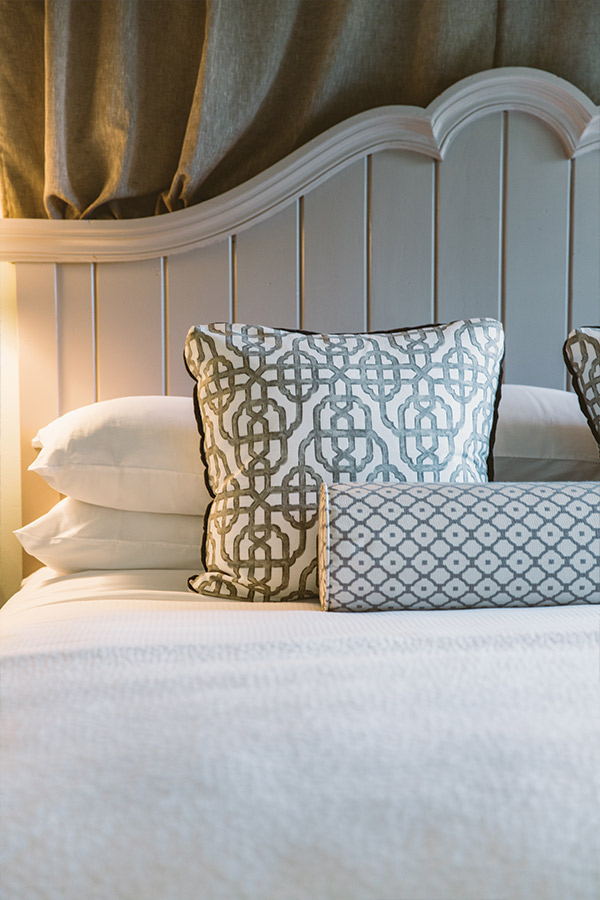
pixel 334 253
pixel 11 557
pixel 198 285
pixel 537 254
pixel 470 223
pixel 38 381
pixel 402 233
pixel 586 240
pixel 378 224
pixel 130 348
pixel 267 272
pixel 75 322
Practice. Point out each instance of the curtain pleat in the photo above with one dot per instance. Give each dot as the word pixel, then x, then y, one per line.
pixel 127 108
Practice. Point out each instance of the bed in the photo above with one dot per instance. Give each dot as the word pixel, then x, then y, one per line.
pixel 178 723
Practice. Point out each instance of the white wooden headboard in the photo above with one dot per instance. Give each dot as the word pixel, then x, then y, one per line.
pixel 485 203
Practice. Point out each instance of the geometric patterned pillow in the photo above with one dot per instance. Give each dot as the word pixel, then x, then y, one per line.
pixel 582 356
pixel 450 546
pixel 279 412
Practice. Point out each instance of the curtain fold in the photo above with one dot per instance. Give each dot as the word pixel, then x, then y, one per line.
pixel 127 108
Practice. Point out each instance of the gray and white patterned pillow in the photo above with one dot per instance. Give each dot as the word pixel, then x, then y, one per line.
pixel 582 356
pixel 450 546
pixel 281 411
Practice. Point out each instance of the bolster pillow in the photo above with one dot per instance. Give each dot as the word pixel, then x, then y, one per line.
pixel 458 546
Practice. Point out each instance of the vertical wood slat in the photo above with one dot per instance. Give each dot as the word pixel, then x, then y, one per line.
pixel 38 381
pixel 164 322
pixel 368 239
pixel 266 272
pixel 470 223
pixel 503 218
pixel 198 285
pixel 537 206
pixel 435 314
pixel 233 313
pixel 94 290
pixel 570 239
pixel 75 336
pixel 11 556
pixel 300 264
pixel 129 329
pixel 585 281
pixel 334 253
pixel 402 215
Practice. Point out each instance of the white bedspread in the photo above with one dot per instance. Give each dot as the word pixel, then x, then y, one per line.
pixel 157 746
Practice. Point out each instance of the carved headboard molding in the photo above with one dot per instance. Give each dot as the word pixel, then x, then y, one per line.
pixel 567 112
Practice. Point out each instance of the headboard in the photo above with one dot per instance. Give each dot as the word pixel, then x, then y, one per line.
pixel 485 203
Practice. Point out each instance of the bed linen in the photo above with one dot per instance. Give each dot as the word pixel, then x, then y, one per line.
pixel 178 747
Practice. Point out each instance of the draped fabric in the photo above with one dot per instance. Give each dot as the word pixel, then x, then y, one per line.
pixel 126 108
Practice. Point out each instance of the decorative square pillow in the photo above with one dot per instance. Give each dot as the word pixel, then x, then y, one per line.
pixel 281 411
pixel 582 356
pixel 450 546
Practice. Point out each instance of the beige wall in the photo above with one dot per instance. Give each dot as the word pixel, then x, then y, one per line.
pixel 10 485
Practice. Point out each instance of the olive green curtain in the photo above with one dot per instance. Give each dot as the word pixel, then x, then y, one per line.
pixel 125 108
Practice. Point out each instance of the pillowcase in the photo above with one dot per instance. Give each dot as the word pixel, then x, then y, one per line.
pixel 582 356
pixel 542 435
pixel 450 546
pixel 133 453
pixel 76 536
pixel 281 411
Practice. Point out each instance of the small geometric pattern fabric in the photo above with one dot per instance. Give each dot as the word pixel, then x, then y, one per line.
pixel 449 546
pixel 582 356
pixel 281 411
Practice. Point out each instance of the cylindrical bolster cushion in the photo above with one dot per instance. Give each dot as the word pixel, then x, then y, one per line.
pixel 458 546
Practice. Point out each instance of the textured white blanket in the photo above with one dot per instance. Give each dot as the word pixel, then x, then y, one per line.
pixel 155 747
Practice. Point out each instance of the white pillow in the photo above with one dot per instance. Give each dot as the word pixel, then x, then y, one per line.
pixel 75 536
pixel 133 453
pixel 542 435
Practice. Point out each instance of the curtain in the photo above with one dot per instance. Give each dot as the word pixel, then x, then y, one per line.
pixel 126 108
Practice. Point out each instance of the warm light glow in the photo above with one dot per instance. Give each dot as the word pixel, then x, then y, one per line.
pixel 10 483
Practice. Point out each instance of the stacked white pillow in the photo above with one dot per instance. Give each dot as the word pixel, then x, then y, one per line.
pixel 76 536
pixel 542 435
pixel 134 482
pixel 132 453
pixel 134 486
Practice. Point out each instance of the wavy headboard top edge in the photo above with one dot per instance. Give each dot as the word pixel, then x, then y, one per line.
pixel 568 113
